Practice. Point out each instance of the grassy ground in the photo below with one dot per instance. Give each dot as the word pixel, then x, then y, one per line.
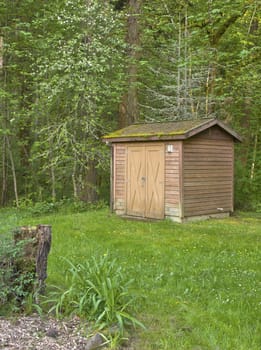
pixel 198 284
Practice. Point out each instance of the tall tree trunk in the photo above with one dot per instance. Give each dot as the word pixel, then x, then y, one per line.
pixel 13 171
pixel 253 165
pixel 215 35
pixel 89 188
pixel 179 61
pixel 53 184
pixel 1 52
pixel 209 87
pixel 129 110
pixel 52 173
pixel 4 175
pixel 186 91
pixel 74 181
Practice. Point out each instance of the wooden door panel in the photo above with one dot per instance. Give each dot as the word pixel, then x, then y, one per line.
pixel 155 182
pixel 145 183
pixel 136 181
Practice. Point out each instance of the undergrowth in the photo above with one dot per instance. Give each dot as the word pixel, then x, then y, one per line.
pixel 15 285
pixel 97 291
pixel 28 207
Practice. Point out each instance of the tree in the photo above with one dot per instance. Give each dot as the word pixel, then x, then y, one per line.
pixel 201 59
pixel 71 71
pixel 129 110
pixel 16 94
pixel 78 88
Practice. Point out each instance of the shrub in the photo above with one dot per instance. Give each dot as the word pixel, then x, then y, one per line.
pixel 97 291
pixel 28 207
pixel 15 285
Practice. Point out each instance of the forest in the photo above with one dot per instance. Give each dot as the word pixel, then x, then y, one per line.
pixel 73 70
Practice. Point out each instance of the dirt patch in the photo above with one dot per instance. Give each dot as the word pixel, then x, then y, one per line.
pixel 36 333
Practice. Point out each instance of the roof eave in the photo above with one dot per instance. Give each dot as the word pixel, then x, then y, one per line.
pixel 143 139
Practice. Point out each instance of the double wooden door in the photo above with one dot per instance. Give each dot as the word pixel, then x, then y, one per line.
pixel 145 181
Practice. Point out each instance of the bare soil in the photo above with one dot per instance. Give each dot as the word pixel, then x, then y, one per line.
pixel 36 333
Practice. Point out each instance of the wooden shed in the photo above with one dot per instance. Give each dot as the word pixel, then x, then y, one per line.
pixel 181 170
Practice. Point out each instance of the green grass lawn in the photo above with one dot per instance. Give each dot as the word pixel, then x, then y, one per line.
pixel 198 284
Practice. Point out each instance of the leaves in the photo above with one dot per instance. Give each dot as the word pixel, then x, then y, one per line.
pixel 97 290
pixel 64 77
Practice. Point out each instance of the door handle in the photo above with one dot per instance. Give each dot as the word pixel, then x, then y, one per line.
pixel 143 180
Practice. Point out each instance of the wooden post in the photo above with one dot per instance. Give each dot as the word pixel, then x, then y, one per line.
pixel 36 252
pixel 44 245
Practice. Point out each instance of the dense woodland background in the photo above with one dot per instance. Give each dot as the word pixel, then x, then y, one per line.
pixel 71 71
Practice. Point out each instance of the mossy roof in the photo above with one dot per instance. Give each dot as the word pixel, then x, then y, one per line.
pixel 166 131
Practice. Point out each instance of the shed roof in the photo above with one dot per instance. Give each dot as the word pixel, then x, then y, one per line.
pixel 176 130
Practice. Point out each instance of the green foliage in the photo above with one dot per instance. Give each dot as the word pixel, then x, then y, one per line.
pixel 61 90
pixel 200 59
pixel 30 208
pixel 74 107
pixel 15 285
pixel 39 208
pixel 98 291
pixel 58 101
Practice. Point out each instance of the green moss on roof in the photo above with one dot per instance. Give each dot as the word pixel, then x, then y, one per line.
pixel 157 129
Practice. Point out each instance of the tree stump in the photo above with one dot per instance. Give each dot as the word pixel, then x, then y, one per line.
pixel 35 255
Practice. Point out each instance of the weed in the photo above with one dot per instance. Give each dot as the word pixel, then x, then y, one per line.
pixel 97 291
pixel 15 285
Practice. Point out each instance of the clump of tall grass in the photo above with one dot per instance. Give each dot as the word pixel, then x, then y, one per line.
pixel 98 292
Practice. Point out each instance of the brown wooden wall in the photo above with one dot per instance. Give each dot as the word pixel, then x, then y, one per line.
pixel 173 173
pixel 208 173
pixel 119 177
pixel 198 175
pixel 172 179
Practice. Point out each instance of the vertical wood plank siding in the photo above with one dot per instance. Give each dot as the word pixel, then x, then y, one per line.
pixel 120 160
pixel 208 173
pixel 172 179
